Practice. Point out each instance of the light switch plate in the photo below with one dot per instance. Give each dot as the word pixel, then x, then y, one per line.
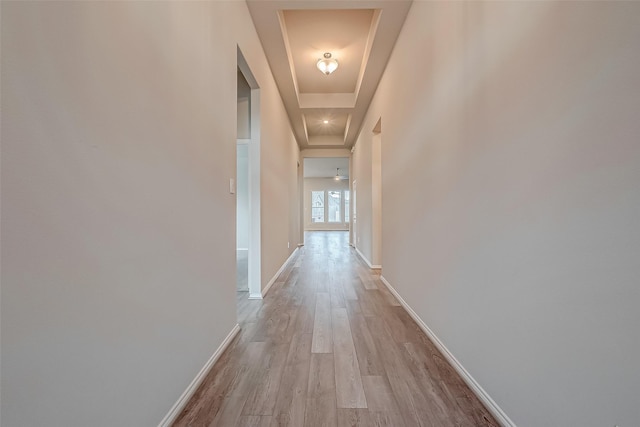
pixel 232 186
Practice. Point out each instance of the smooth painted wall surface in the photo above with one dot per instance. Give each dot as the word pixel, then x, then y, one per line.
pixel 242 197
pixel 361 192
pixel 511 198
pixel 244 107
pixel 279 154
pixel 376 199
pixel 118 244
pixel 280 205
pixel 244 123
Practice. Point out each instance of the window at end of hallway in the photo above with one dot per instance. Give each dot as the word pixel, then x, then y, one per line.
pixel 334 206
pixel 346 206
pixel 317 206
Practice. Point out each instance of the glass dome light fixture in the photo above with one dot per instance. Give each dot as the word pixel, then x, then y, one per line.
pixel 327 65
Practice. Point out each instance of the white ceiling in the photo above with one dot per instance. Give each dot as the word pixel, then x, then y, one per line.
pixel 360 34
pixel 325 167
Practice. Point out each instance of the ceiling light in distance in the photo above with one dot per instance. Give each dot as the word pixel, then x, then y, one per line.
pixel 337 178
pixel 325 121
pixel 327 65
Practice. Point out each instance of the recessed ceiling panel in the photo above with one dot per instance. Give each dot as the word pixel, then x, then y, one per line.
pixel 296 33
pixel 343 33
pixel 335 123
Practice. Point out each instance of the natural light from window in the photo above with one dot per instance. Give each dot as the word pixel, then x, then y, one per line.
pixel 330 206
pixel 346 206
pixel 334 206
pixel 317 206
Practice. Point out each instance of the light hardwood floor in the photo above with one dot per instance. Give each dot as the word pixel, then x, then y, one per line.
pixel 331 346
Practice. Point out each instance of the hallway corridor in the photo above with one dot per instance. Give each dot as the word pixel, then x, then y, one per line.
pixel 330 346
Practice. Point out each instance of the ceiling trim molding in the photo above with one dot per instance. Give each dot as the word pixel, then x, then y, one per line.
pixel 270 20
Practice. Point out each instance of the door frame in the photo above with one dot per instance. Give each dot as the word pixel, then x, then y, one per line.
pixel 254 255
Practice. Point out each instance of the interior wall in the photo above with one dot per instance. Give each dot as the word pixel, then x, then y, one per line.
pixel 323 184
pixel 511 198
pixel 242 160
pixel 279 155
pixel 242 197
pixel 244 125
pixel 362 174
pixel 279 194
pixel 376 199
pixel 244 107
pixel 118 244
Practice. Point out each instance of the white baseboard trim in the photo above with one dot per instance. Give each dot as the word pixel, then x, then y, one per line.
pixel 275 276
pixel 364 258
pixel 188 393
pixel 488 402
pixel 255 296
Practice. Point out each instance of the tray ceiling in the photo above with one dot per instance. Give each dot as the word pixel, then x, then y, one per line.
pixel 359 34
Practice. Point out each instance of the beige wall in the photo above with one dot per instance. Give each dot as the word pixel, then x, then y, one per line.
pixel 511 171
pixel 243 120
pixel 323 184
pixel 118 244
pixel 242 197
pixel 279 195
pixel 362 175
pixel 279 154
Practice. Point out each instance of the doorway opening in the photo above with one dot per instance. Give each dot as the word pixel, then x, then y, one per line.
pixel 326 198
pixel 248 244
pixel 376 195
pixel 353 229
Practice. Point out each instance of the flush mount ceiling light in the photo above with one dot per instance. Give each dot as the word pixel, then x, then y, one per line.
pixel 325 122
pixel 327 65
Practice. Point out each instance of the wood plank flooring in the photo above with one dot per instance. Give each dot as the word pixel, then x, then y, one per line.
pixel 331 346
